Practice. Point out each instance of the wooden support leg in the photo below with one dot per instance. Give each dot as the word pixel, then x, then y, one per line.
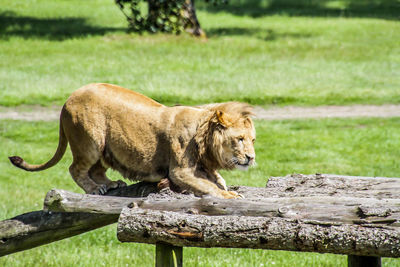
pixel 168 255
pixel 363 261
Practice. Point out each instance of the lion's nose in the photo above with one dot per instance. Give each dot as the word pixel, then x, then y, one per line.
pixel 249 157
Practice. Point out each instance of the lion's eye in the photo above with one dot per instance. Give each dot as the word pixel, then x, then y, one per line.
pixel 241 139
pixel 253 140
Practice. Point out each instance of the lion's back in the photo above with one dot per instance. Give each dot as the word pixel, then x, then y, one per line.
pixel 137 133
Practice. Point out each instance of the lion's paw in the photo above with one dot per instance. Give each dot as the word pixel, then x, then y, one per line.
pixel 100 190
pixel 121 183
pixel 116 184
pixel 231 195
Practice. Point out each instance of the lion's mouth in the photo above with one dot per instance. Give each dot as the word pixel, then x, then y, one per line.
pixel 244 166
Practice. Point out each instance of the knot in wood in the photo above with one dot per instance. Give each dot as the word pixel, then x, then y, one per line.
pixel 192 211
pixel 283 210
pixel 133 205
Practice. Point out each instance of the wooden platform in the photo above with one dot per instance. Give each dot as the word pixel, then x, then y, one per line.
pixel 355 216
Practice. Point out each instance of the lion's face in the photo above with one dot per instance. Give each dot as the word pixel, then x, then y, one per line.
pixel 237 146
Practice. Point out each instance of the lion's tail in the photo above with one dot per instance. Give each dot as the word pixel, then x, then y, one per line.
pixel 62 145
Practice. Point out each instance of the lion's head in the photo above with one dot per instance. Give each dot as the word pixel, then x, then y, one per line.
pixel 228 140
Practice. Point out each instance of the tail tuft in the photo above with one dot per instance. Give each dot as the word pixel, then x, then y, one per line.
pixel 62 145
pixel 16 161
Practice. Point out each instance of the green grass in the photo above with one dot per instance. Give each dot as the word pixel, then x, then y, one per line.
pixel 368 147
pixel 262 52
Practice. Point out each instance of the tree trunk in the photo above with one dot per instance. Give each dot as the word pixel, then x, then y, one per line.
pixel 191 23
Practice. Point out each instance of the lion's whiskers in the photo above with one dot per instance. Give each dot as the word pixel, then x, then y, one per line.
pixel 232 162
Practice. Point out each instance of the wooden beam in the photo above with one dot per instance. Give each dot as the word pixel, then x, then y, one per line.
pixel 299 185
pixel 64 201
pixel 37 228
pixel 322 208
pixel 180 229
pixel 376 206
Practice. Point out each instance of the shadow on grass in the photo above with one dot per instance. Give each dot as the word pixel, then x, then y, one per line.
pixel 384 9
pixel 48 28
pixel 260 33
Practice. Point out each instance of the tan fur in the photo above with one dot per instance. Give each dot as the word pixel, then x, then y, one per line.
pixel 110 126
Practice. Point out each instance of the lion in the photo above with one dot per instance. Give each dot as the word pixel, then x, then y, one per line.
pixel 108 126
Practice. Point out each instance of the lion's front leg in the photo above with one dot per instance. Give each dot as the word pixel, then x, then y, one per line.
pixel 185 178
pixel 218 179
pixel 220 182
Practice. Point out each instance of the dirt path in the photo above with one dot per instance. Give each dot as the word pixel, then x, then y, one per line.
pixel 38 113
pixel 30 113
pixel 354 111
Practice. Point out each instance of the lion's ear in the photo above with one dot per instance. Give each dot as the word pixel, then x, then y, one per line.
pixel 222 118
pixel 248 122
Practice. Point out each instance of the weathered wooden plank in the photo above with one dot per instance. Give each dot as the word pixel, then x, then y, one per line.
pixel 64 201
pixel 37 228
pixel 179 229
pixel 298 185
pixel 321 208
pixel 290 186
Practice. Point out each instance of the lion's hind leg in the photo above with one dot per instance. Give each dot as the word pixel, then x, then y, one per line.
pixel 84 157
pixel 98 174
pixel 86 142
pixel 80 173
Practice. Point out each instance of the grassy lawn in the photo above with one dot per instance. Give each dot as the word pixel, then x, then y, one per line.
pixel 366 147
pixel 262 52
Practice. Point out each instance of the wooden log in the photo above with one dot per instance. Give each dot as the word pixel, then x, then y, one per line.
pixel 299 185
pixel 321 209
pixel 64 201
pixel 180 229
pixel 37 228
